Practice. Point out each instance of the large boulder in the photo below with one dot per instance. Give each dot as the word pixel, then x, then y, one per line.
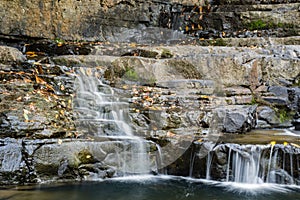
pixel 10 55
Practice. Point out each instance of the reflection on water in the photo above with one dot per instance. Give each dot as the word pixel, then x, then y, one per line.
pixel 153 188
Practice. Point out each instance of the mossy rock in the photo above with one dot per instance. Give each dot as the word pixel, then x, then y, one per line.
pixel 166 53
pixel 86 157
pixel 185 68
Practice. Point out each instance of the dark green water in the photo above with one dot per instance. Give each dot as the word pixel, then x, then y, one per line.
pixel 153 188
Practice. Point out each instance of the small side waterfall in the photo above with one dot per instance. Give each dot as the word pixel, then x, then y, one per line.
pixel 103 114
pixel 251 164
pixel 261 164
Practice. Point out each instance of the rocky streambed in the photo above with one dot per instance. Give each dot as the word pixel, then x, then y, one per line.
pixel 204 87
pixel 182 99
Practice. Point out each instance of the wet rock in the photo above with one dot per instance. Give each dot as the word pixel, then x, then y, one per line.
pixel 13 166
pixel 236 119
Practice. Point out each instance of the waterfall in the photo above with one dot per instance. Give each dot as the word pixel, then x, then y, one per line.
pixel 102 113
pixel 252 164
pixel 249 164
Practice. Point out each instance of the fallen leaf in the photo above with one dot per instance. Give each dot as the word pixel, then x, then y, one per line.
pixel 39 80
pixel 31 54
pixel 25 114
pixel 88 71
pixel 170 134
pixel 63 104
pixel 132 44
pixel 59 141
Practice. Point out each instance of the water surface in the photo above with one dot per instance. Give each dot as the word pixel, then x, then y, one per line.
pixel 153 188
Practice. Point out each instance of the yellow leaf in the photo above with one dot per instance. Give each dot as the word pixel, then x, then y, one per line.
pixel 63 104
pixel 186 28
pixel 26 80
pixel 62 112
pixel 31 54
pixel 132 44
pixel 69 103
pixel 88 71
pixel 39 80
pixel 273 143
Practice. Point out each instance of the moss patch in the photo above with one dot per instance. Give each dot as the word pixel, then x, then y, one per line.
pixel 185 68
pixel 257 25
pixel 166 53
pixel 131 75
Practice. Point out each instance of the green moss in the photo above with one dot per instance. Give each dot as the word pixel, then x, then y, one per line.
pixel 257 25
pixel 59 40
pixel 253 101
pixel 85 157
pixel 166 53
pixel 131 75
pixel 283 114
pixel 218 42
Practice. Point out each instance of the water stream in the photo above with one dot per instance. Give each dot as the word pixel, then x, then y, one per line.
pixel 102 113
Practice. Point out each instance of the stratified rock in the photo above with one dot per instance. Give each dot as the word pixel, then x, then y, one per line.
pixel 13 168
pixel 236 119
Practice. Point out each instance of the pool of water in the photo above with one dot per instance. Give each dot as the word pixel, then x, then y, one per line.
pixel 152 188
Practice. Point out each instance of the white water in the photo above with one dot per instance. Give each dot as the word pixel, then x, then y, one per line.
pixel 256 164
pixel 101 113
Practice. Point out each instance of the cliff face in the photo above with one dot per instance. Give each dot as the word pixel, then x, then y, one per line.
pixel 125 20
pixel 77 20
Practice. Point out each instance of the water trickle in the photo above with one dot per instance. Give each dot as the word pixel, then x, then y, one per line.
pixel 102 113
pixel 208 165
pixel 269 165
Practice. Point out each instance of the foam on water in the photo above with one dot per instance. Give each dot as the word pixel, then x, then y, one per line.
pixel 234 187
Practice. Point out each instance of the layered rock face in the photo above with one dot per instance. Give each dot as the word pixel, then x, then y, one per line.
pixel 180 97
pixel 138 21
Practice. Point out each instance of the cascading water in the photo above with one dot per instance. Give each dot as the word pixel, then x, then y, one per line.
pixel 254 164
pixel 102 114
